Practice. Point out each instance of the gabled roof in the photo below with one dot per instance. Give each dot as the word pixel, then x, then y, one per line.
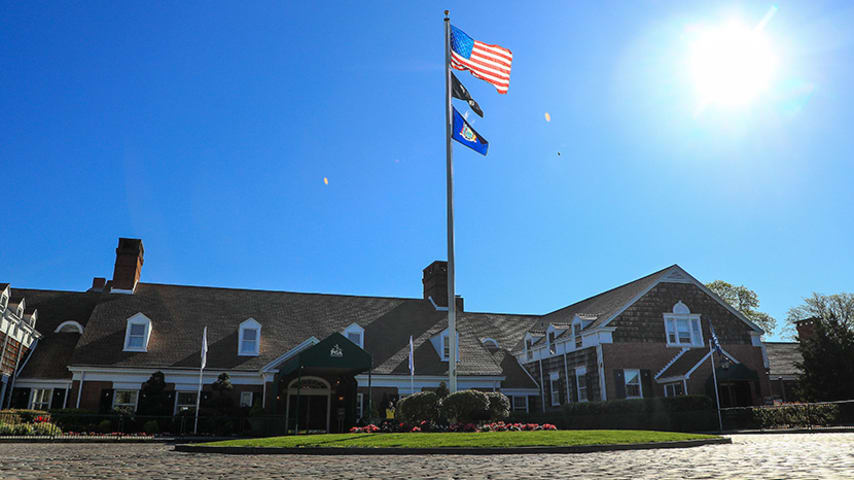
pixel 782 357
pixel 603 305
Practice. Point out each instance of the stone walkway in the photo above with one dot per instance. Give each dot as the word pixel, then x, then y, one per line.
pixel 777 456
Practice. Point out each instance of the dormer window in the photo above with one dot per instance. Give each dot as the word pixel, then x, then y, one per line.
pixel 682 328
pixel 529 348
pixel 250 338
pixel 442 344
pixel 552 346
pixel 137 333
pixel 576 334
pixel 20 311
pixel 4 300
pixel 355 334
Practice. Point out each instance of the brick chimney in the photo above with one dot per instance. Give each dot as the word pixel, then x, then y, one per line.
pixel 435 280
pixel 98 284
pixel 128 264
pixel 806 328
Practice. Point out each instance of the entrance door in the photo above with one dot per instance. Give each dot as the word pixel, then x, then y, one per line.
pixel 308 405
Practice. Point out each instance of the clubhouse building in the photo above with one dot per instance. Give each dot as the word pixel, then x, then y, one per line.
pixel 333 359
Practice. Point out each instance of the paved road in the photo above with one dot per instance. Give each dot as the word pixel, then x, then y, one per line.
pixel 795 456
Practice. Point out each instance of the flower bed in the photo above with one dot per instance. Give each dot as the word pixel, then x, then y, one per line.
pixel 403 427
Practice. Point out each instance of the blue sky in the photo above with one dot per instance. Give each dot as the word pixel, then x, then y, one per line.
pixel 207 128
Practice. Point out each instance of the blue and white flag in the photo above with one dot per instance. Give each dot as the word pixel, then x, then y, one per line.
pixel 715 343
pixel 463 133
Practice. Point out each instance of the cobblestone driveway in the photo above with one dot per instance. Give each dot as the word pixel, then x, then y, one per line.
pixel 828 455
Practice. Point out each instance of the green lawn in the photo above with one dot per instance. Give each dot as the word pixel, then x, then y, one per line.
pixel 483 439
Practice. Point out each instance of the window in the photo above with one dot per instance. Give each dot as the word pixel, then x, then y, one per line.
pixel 137 333
pixel 125 399
pixel 554 385
pixel 683 327
pixel 355 334
pixel 360 398
pixel 529 348
pixel 581 382
pixel 520 403
pixel 250 338
pixel 446 348
pixel 674 389
pixel 20 311
pixel 185 401
pixel 41 398
pixel 633 383
pixel 246 399
pixel 576 333
pixel 552 346
pixel 4 300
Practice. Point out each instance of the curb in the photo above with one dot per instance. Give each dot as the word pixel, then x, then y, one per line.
pixel 84 439
pixel 444 450
pixel 789 430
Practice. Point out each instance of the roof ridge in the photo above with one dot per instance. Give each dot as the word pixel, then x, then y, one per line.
pixel 615 288
pixel 207 287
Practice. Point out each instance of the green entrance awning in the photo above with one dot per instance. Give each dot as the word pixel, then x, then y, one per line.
pixel 335 353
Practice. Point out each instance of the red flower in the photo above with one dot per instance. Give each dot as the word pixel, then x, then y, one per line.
pixel 416 429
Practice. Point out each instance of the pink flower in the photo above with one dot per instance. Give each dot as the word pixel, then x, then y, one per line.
pixel 416 429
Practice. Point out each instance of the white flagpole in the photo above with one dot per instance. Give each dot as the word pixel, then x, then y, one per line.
pixel 715 379
pixel 452 303
pixel 201 370
pixel 411 366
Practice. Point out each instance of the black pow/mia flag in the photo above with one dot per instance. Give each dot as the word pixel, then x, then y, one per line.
pixel 459 91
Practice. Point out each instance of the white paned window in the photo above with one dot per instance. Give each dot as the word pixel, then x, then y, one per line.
pixel 674 389
pixel 633 383
pixel 4 300
pixel 520 403
pixel 446 348
pixel 249 343
pixel 683 331
pixel 246 399
pixel 125 399
pixel 576 333
pixel 185 401
pixel 554 385
pixel 552 346
pixel 355 334
pixel 137 333
pixel 581 383
pixel 41 398
pixel 360 398
pixel 529 348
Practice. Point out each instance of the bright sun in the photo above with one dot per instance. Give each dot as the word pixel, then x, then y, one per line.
pixel 731 64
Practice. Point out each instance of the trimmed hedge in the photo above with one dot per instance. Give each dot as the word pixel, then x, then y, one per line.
pixel 418 407
pixel 464 406
pixel 789 416
pixel 688 413
pixel 499 406
pixel 16 416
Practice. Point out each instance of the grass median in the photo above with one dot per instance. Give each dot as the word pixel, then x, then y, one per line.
pixel 560 438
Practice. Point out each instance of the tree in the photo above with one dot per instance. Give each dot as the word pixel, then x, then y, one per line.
pixel 222 401
pixel 828 354
pixel 745 301
pixel 153 397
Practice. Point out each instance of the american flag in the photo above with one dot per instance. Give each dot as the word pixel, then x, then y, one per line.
pixel 716 344
pixel 484 61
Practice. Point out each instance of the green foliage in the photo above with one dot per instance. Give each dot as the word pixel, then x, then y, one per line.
pixel 153 397
pixel 46 428
pixel 745 301
pixel 418 407
pixel 222 384
pixel 22 429
pixel 464 406
pixel 105 426
pixel 151 427
pixel 74 419
pixel 499 406
pixel 689 413
pixel 788 416
pixel 828 357
pixel 838 308
pixel 15 416
pixel 442 391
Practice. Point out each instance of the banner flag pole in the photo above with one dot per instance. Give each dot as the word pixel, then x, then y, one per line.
pixel 202 365
pixel 452 303
pixel 715 379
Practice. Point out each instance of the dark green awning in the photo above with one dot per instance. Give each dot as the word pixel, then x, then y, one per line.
pixel 334 354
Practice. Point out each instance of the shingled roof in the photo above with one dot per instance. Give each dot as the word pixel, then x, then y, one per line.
pixel 179 313
pixel 782 357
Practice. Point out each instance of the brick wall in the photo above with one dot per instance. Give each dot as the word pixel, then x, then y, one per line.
pixel 91 397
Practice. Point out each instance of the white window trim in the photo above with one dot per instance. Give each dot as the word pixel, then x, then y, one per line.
pixel 581 372
pixel 680 383
pixel 626 382
pixel 529 347
pixel 554 377
pixel 681 312
pixel 69 323
pixel 175 410
pixel 442 338
pixel 249 324
pixel 355 328
pixel 138 319
pixel 360 405
pixel 251 399
pixel 33 391
pixel 136 397
pixel 513 403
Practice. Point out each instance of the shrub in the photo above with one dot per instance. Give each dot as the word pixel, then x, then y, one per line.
pixel 15 416
pixel 151 427
pixel 46 428
pixel 499 406
pixel 418 407
pixel 785 416
pixel 465 406
pixel 22 429
pixel 105 426
pixel 7 429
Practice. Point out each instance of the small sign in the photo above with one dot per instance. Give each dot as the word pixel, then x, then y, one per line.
pixel 336 351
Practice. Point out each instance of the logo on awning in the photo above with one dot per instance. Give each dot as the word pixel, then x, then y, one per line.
pixel 336 351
